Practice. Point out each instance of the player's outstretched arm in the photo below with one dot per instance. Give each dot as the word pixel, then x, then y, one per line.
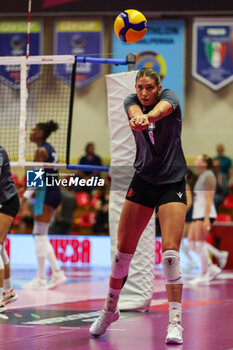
pixel 161 110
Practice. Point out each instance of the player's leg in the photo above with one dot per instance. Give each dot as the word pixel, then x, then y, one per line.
pixel 9 294
pixel 8 211
pixel 172 217
pixel 209 270
pixel 44 250
pixel 2 303
pixel 52 201
pixel 58 276
pixel 5 225
pixel 185 248
pixel 133 220
pixel 220 255
pixel 198 244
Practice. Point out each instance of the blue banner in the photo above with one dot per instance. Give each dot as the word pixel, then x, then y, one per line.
pixel 13 42
pixel 79 38
pixel 162 48
pixel 212 63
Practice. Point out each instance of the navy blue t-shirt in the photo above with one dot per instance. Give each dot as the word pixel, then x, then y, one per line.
pixel 85 160
pixel 159 155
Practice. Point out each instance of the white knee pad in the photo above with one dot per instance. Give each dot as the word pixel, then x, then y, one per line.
pixel 171 267
pixel 43 246
pixel 5 257
pixel 40 228
pixel 120 265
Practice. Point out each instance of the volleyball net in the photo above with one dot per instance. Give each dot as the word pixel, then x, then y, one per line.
pixel 35 90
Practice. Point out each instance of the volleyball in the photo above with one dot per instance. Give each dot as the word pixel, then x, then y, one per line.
pixel 130 26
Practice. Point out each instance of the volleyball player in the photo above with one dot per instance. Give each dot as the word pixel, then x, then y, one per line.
pixel 8 209
pixel 47 200
pixel 203 215
pixel 155 120
pixel 188 219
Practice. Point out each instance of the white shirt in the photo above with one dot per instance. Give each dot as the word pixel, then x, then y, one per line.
pixel 199 200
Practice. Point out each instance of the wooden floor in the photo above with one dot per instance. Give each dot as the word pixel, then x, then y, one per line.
pixel 60 318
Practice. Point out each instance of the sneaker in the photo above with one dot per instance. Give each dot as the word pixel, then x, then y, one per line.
pixel 222 260
pixel 212 272
pixel 10 296
pixel 191 266
pixel 2 306
pixel 198 280
pixel 36 283
pixel 174 333
pixel 57 279
pixel 101 324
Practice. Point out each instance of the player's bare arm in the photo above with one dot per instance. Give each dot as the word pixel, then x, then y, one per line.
pixel 161 110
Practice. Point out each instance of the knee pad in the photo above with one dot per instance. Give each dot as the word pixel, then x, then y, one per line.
pixel 171 267
pixel 43 246
pixel 120 265
pixel 5 257
pixel 40 228
pixel 40 232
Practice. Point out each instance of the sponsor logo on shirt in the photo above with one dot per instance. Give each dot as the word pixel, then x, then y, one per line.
pixel 130 192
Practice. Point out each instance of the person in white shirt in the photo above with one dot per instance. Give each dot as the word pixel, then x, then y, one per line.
pixel 204 214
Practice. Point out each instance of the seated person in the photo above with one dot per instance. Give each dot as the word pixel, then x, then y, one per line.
pixel 90 158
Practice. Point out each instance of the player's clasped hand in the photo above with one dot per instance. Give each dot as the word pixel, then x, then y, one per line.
pixel 139 123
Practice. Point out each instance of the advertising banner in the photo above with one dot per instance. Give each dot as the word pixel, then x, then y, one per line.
pixel 71 250
pixel 79 38
pixel 13 42
pixel 162 48
pixel 212 62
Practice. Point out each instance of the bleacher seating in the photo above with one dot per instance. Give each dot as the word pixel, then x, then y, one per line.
pixel 223 217
pixel 82 199
pixel 228 202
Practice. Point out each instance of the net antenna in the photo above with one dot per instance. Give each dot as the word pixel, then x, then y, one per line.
pixel 24 94
pixel 29 24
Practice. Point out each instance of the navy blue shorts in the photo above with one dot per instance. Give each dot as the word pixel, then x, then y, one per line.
pixel 53 197
pixel 11 206
pixel 212 220
pixel 152 196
